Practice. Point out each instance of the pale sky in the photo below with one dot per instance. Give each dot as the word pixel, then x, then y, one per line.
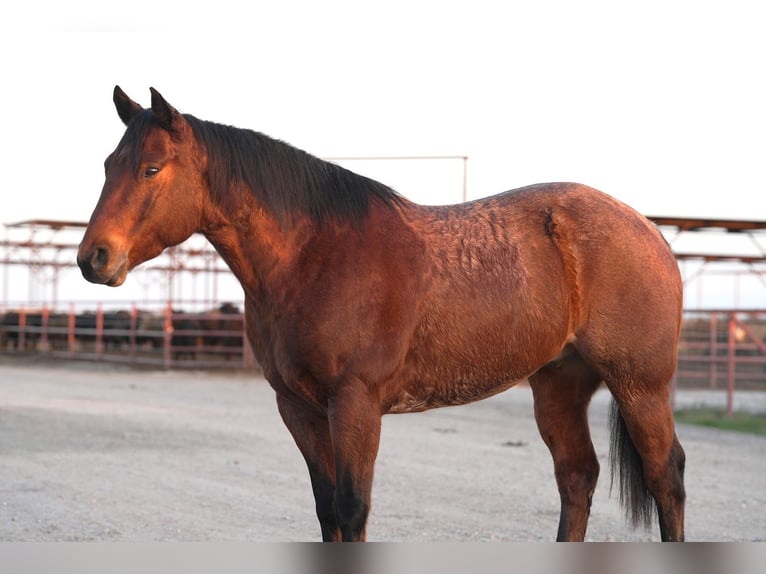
pixel 660 103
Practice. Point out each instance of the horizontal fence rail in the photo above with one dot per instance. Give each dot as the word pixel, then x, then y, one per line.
pixel 165 338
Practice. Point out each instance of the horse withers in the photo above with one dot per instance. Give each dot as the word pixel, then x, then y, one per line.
pixel 360 303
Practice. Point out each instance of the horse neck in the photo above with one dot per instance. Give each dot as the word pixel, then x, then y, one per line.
pixel 251 241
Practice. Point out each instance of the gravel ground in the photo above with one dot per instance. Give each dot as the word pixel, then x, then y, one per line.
pixel 93 453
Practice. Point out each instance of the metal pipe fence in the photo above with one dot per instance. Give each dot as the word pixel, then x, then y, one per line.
pixel 724 350
pixel 166 338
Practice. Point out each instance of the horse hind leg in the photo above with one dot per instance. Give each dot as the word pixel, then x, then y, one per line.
pixel 562 392
pixel 647 459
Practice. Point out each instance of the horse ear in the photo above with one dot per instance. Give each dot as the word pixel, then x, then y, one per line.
pixel 126 108
pixel 163 111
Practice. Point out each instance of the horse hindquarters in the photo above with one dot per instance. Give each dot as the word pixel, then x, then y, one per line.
pixel 627 316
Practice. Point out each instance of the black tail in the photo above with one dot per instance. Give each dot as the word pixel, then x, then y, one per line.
pixel 628 470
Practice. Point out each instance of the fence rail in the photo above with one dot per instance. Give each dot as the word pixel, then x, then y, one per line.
pixel 723 350
pixel 167 338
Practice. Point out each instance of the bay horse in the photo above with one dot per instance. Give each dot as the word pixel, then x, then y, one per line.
pixel 360 303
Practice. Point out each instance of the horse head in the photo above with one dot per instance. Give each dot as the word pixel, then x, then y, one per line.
pixel 153 192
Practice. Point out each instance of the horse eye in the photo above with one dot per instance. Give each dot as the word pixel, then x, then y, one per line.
pixel 150 172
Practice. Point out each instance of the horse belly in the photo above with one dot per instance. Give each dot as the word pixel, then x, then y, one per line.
pixel 422 395
pixel 466 372
pixel 473 364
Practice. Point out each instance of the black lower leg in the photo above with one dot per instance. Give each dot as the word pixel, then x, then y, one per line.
pixel 324 495
pixel 351 511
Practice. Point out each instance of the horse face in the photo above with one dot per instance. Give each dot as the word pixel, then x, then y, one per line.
pixel 151 197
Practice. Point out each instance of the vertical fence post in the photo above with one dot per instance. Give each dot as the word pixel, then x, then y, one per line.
pixel 731 371
pixel 167 339
pixel 99 332
pixel 713 350
pixel 71 327
pixel 22 338
pixel 132 334
pixel 44 340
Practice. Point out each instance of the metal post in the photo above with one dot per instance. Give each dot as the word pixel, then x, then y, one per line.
pixel 99 331
pixel 133 329
pixel 167 340
pixel 44 340
pixel 71 327
pixel 731 365
pixel 465 178
pixel 713 350
pixel 22 338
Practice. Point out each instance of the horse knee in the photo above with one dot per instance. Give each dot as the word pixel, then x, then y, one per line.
pixel 666 482
pixel 577 483
pixel 677 467
pixel 678 459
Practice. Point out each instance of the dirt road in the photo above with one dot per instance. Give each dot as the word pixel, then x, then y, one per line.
pixel 89 453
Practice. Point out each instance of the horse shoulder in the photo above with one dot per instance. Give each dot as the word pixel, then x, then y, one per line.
pixel 342 305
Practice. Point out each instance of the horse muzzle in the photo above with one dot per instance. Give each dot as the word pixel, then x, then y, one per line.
pixel 102 265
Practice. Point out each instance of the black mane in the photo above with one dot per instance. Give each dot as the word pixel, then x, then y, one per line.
pixel 285 180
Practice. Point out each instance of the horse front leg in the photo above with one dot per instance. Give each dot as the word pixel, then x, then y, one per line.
pixel 355 421
pixel 311 432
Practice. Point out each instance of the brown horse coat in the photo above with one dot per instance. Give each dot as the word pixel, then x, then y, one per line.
pixel 360 303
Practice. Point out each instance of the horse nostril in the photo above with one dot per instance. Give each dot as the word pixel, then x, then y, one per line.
pixel 99 259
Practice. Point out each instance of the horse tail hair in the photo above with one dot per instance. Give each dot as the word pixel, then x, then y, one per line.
pixel 627 471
